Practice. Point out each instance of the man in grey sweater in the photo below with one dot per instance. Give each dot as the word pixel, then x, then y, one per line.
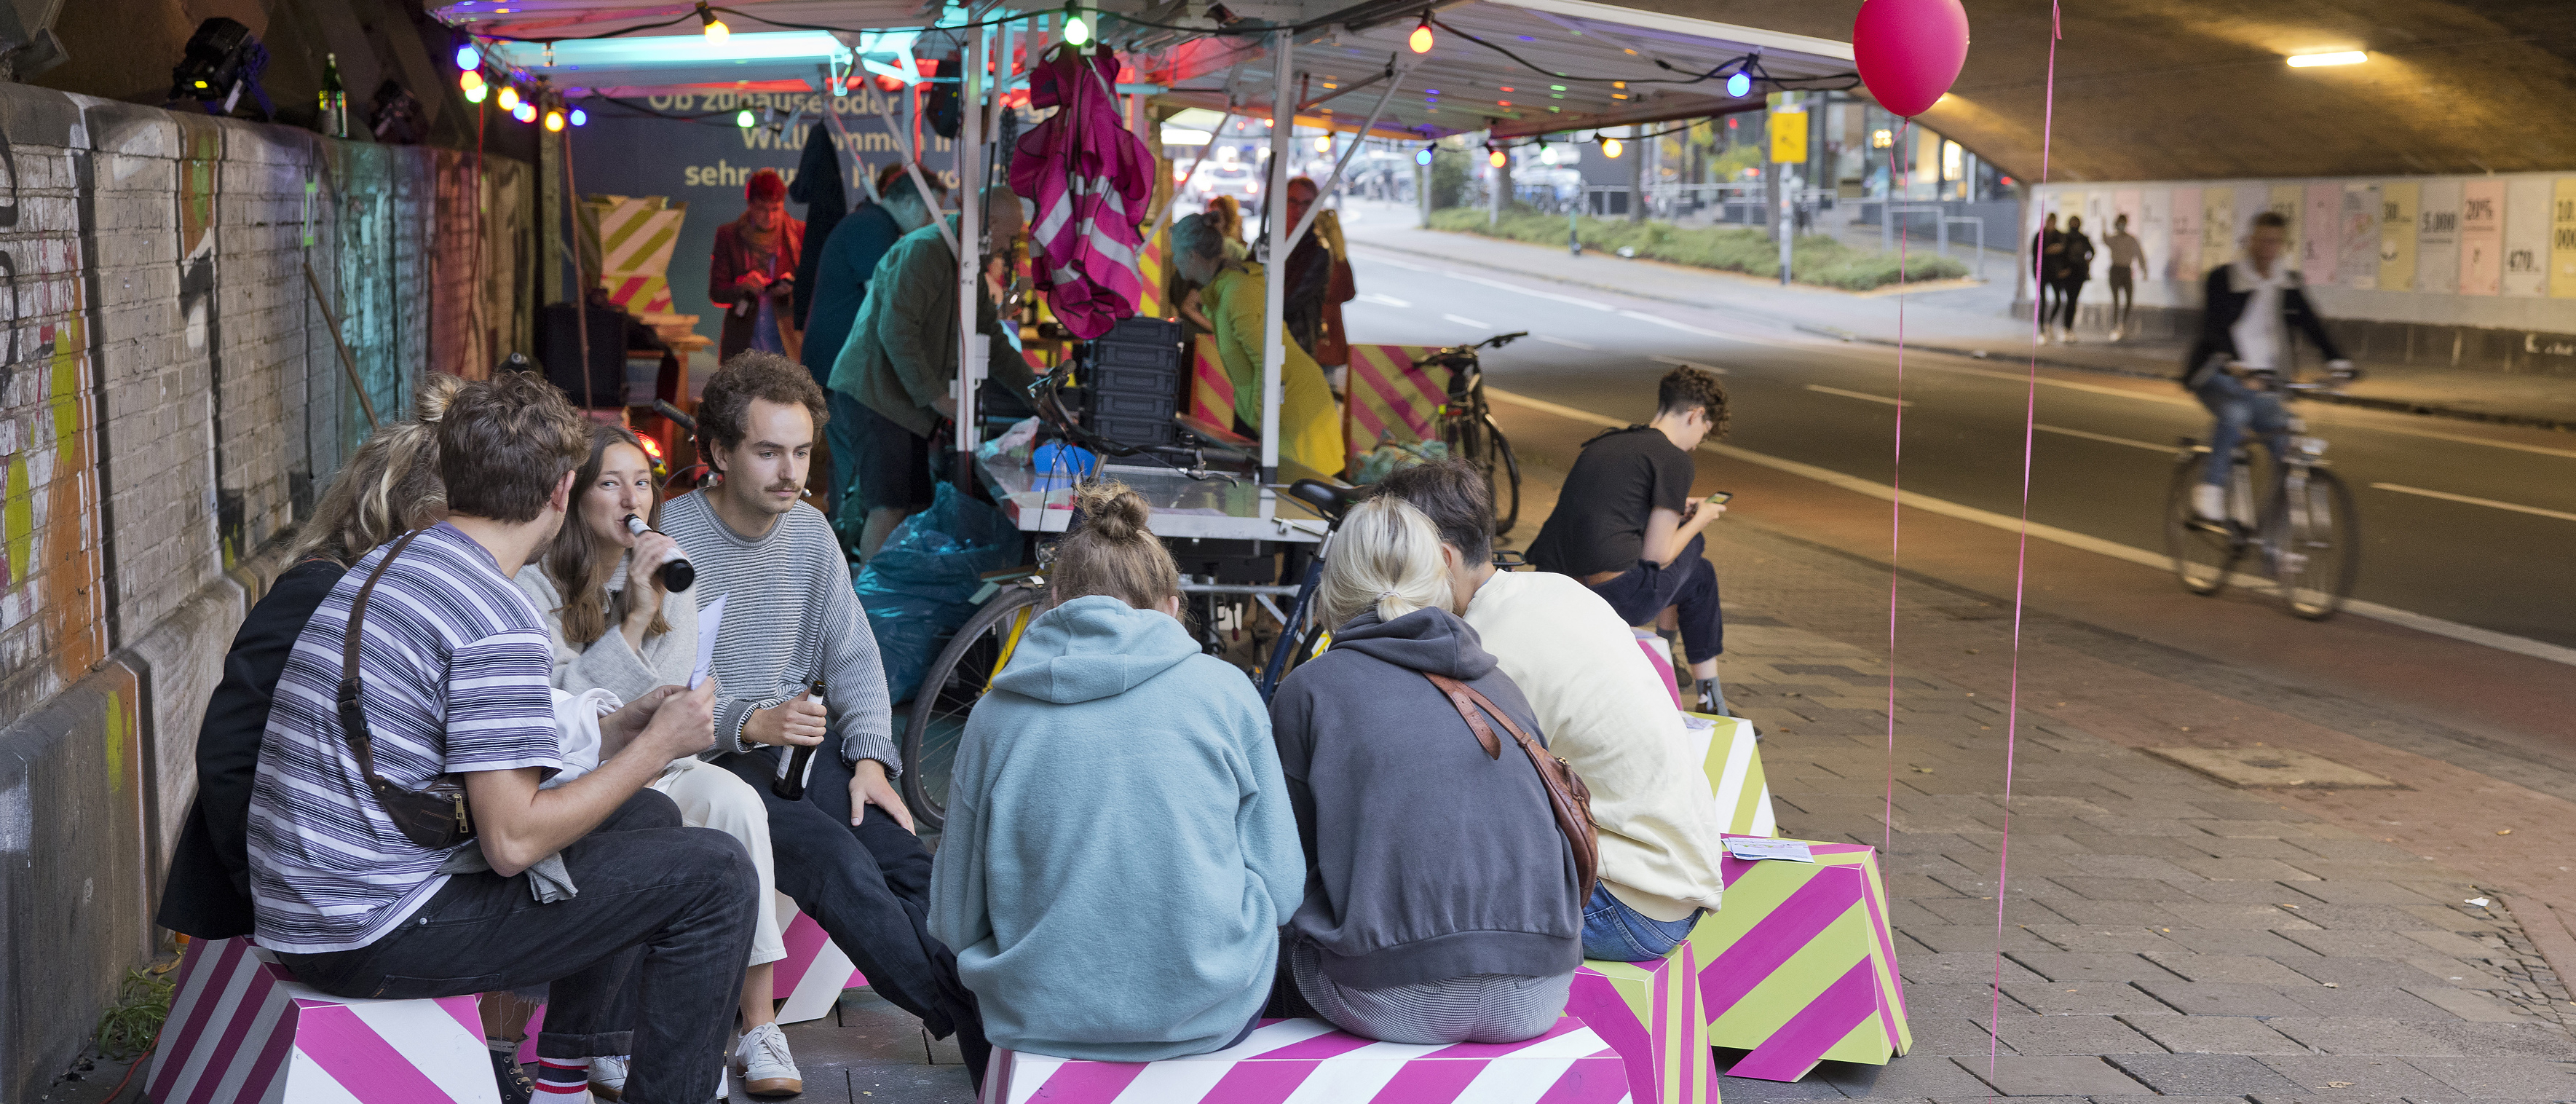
pixel 846 852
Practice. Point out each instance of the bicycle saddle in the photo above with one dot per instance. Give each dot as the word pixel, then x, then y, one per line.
pixel 1330 500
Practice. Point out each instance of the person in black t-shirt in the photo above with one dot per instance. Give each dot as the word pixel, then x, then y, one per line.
pixel 1627 525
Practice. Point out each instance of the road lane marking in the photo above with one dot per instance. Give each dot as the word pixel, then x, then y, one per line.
pixel 1402 264
pixel 1382 300
pixel 1859 395
pixel 2446 496
pixel 2470 633
pixel 1678 362
pixel 1470 323
pixel 1568 344
pixel 1586 303
pixel 2107 439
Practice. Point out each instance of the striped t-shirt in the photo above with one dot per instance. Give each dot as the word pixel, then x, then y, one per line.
pixel 455 664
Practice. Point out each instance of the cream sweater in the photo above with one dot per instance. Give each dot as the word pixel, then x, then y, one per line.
pixel 1606 713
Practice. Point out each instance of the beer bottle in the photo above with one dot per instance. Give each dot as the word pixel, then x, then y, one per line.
pixel 335 99
pixel 790 783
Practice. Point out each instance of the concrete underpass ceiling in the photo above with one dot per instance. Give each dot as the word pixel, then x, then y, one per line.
pixel 2197 89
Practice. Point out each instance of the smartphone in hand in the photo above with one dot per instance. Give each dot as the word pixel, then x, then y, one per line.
pixel 1720 498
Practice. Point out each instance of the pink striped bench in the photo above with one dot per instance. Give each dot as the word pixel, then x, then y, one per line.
pixel 1313 1061
pixel 242 1028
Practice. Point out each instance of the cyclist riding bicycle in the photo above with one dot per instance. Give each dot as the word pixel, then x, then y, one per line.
pixel 2243 347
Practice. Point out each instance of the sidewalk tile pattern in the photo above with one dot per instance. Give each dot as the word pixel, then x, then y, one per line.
pixel 1569 1064
pixel 241 1028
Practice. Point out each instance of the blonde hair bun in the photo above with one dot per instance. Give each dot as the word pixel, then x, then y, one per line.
pixel 1114 511
pixel 429 403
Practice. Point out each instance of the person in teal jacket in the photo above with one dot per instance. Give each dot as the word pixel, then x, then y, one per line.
pixel 1119 851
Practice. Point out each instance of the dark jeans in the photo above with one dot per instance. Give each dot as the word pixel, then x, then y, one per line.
pixel 842 434
pixel 646 960
pixel 2068 293
pixel 1690 583
pixel 868 885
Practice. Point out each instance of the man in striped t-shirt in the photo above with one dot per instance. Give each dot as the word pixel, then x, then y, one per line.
pixel 845 851
pixel 454 665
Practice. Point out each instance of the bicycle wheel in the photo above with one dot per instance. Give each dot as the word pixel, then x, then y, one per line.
pixel 1504 478
pixel 2316 545
pixel 949 690
pixel 2202 551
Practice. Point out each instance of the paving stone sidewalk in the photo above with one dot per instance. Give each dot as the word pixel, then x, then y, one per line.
pixel 2163 934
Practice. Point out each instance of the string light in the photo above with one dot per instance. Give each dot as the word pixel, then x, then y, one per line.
pixel 526 112
pixel 467 57
pixel 745 119
pixel 1077 30
pixel 554 120
pixel 509 100
pixel 1738 85
pixel 580 117
pixel 477 93
pixel 1610 148
pixel 471 81
pixel 1323 143
pixel 1495 158
pixel 715 28
pixel 1420 39
pixel 1423 157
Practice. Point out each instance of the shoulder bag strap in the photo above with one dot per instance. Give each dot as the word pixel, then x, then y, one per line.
pixel 1459 695
pixel 353 718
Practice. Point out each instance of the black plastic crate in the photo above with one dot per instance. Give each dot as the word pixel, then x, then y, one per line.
pixel 1144 331
pixel 1122 404
pixel 1106 354
pixel 1133 380
pixel 1134 431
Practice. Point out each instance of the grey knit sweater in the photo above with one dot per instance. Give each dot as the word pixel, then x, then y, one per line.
pixel 792 617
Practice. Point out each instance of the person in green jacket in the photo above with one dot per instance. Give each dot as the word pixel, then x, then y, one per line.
pixel 901 359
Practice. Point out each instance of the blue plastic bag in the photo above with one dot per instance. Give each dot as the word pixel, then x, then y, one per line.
pixel 922 584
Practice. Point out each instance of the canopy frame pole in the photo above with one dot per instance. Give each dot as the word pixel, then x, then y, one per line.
pixel 970 251
pixel 1395 83
pixel 1274 304
pixel 912 165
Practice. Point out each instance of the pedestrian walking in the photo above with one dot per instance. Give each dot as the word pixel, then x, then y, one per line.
pixel 2127 258
pixel 2076 263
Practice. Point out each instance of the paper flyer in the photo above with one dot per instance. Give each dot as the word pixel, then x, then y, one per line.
pixel 710 622
pixel 1747 847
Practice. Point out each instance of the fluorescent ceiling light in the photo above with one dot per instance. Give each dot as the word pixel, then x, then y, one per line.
pixel 2310 61
pixel 666 50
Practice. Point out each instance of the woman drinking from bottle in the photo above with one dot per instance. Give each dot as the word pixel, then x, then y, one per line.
pixel 619 631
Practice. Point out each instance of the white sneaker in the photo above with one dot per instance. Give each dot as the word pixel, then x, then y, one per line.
pixel 2209 502
pixel 608 1077
pixel 2115 334
pixel 2070 336
pixel 766 1066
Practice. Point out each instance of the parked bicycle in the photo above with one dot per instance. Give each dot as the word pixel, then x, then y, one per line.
pixel 2302 524
pixel 964 671
pixel 1467 427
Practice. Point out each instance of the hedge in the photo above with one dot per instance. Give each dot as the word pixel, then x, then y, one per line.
pixel 1814 258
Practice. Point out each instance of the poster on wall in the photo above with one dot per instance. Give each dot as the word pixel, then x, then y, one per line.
pixel 2154 229
pixel 2481 237
pixel 700 157
pixel 2562 238
pixel 2280 199
pixel 2397 204
pixel 2218 225
pixel 2359 233
pixel 2526 237
pixel 2437 238
pixel 2182 258
pixel 2097 227
pixel 2319 223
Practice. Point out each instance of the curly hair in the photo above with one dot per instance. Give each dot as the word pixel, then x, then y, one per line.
pixel 505 443
pixel 1686 388
pixel 726 406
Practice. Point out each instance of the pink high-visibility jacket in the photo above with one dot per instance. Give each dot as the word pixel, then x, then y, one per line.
pixel 1091 181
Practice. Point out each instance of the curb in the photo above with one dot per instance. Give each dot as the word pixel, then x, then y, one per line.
pixel 2526 421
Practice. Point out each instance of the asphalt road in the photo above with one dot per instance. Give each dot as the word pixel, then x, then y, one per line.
pixel 2460 522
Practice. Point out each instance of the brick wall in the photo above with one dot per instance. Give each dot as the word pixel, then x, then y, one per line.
pixel 170 404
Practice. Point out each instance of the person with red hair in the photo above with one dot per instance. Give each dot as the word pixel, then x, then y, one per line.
pixel 754 269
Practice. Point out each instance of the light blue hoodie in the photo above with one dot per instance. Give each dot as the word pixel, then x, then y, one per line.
pixel 1119 851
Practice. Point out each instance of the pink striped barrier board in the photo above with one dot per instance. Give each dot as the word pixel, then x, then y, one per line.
pixel 1650 1012
pixel 242 1029
pixel 811 977
pixel 1800 965
pixel 1308 1062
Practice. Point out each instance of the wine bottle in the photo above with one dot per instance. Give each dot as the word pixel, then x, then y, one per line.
pixel 799 762
pixel 335 99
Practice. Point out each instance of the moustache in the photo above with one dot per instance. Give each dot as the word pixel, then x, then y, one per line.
pixel 789 486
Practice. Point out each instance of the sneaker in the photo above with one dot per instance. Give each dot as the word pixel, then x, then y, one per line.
pixel 2209 502
pixel 2069 338
pixel 608 1077
pixel 1712 699
pixel 2115 334
pixel 766 1067
pixel 514 1083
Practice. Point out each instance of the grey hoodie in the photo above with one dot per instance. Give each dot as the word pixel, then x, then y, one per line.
pixel 1425 860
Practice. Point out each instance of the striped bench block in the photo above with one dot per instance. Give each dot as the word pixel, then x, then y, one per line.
pixel 1800 965
pixel 242 1029
pixel 1651 1013
pixel 1309 1062
pixel 811 977
pixel 1733 763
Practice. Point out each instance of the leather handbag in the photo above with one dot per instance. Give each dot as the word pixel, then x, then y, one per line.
pixel 1566 794
pixel 433 816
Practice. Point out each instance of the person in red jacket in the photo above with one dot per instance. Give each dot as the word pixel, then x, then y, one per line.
pixel 754 269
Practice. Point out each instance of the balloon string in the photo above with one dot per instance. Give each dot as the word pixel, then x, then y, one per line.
pixel 2021 568
pixel 1896 483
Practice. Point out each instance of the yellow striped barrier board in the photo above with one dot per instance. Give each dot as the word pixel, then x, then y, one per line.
pixel 1651 1013
pixel 1800 964
pixel 1735 778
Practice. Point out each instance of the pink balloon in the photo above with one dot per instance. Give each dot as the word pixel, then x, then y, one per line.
pixel 1909 51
